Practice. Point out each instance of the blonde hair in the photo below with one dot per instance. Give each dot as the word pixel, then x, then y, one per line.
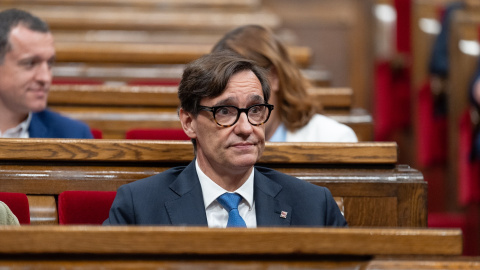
pixel 259 44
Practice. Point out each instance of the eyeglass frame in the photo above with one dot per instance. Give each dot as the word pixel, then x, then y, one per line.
pixel 214 109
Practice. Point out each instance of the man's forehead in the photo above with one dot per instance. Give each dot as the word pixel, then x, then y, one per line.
pixel 21 35
pixel 234 99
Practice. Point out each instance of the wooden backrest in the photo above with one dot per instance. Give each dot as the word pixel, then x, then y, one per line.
pixel 145 53
pixel 116 109
pixel 336 99
pixel 369 186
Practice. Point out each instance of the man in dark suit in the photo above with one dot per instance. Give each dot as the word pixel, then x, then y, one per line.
pixel 27 54
pixel 223 109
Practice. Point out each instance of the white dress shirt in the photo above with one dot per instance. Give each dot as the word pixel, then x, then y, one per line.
pixel 217 216
pixel 20 131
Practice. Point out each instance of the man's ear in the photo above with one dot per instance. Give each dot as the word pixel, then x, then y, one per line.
pixel 188 123
pixel 273 79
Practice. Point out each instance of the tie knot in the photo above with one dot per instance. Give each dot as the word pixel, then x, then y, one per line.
pixel 229 200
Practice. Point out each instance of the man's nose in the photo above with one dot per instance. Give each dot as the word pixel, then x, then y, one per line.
pixel 243 125
pixel 44 73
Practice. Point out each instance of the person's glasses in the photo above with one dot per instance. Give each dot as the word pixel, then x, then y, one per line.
pixel 227 116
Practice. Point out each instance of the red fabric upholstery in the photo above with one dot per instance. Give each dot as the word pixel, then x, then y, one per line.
pixel 431 131
pixel 97 133
pixel 18 203
pixel 404 10
pixel 468 171
pixel 84 207
pixel 392 100
pixel 157 134
pixel 467 222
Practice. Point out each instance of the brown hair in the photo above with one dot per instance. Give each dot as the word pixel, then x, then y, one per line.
pixel 260 45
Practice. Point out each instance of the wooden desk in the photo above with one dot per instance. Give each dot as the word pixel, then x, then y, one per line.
pixel 369 186
pixel 92 247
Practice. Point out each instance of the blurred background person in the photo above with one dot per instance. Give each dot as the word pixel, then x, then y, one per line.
pixel 27 54
pixel 296 117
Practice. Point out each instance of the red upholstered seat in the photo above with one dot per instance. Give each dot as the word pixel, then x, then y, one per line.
pixel 157 134
pixel 18 203
pixel 431 132
pixel 468 170
pixel 97 134
pixel 84 207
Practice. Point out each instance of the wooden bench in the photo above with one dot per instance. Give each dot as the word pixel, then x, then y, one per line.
pixel 116 109
pixel 67 17
pixel 118 74
pixel 369 186
pixel 332 99
pixel 232 4
pixel 426 25
pixel 140 247
pixel 464 30
pixel 143 53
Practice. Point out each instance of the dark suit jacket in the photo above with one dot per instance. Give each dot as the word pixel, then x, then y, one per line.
pixel 48 124
pixel 174 197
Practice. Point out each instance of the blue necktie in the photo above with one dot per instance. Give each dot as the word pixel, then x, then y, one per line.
pixel 230 202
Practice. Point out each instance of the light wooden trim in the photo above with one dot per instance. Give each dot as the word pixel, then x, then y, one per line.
pixel 175 151
pixel 143 53
pixel 43 210
pixel 178 240
pixel 425 263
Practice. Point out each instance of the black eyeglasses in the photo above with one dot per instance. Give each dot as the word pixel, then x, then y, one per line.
pixel 227 116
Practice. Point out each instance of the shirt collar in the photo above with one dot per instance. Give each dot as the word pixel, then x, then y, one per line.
pixel 20 131
pixel 211 191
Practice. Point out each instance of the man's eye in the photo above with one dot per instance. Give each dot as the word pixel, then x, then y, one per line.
pixel 223 111
pixel 28 64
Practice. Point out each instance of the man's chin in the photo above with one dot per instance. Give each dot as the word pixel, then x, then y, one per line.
pixel 36 109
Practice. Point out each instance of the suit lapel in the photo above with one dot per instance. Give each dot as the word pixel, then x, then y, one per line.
pixel 270 211
pixel 188 208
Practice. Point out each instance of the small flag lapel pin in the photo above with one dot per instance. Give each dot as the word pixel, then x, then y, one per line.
pixel 283 214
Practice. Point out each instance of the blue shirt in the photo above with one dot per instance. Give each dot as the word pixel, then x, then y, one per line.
pixel 280 134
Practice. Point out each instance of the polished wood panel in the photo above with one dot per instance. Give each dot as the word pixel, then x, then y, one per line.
pixel 214 241
pixel 117 247
pixel 171 151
